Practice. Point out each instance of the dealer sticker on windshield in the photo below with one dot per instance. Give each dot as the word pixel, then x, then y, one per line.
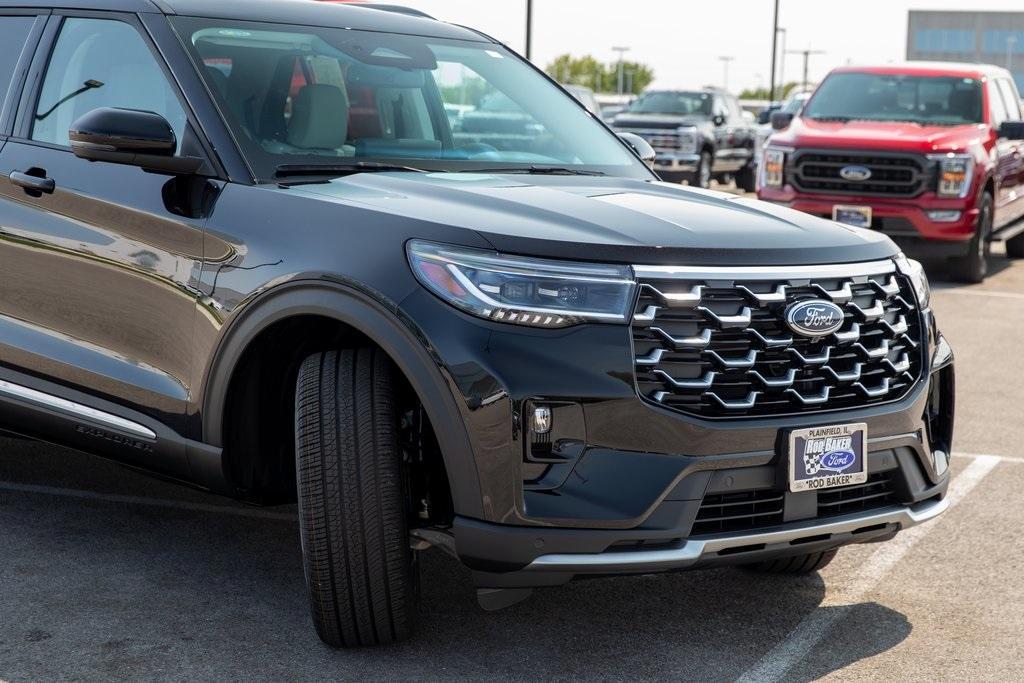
pixel 827 457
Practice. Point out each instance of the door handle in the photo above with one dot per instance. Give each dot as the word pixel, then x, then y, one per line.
pixel 33 183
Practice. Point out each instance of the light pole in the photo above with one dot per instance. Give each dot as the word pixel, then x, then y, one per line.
pixel 529 28
pixel 775 49
pixel 725 71
pixel 782 64
pixel 622 76
pixel 1010 42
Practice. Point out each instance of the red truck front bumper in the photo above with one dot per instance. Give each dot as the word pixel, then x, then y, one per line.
pixel 906 221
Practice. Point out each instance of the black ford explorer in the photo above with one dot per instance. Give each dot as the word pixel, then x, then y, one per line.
pixel 247 245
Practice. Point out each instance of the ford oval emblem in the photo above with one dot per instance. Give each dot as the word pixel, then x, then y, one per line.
pixel 814 317
pixel 837 461
pixel 857 174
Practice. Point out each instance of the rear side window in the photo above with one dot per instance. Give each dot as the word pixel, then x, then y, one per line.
pixel 13 34
pixel 101 63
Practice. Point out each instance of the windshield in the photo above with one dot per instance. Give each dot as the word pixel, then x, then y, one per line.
pixel 678 103
pixel 932 100
pixel 300 97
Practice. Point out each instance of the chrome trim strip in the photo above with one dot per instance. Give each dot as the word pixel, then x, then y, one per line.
pixel 693 551
pixel 786 273
pixel 74 409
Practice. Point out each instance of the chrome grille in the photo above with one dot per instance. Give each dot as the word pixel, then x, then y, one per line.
pixel 892 175
pixel 665 139
pixel 714 342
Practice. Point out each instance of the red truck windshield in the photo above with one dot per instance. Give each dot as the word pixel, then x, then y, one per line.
pixel 928 100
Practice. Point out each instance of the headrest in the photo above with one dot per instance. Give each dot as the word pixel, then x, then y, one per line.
pixel 319 118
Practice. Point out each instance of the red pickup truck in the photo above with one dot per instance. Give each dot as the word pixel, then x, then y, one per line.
pixel 927 153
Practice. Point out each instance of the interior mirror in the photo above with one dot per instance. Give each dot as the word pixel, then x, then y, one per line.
pixel 642 148
pixel 131 137
pixel 1012 130
pixel 781 120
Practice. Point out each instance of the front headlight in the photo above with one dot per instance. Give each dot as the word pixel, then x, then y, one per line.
pixel 773 173
pixel 915 273
pixel 524 291
pixel 955 172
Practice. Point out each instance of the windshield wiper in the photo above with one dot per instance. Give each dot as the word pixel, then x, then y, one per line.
pixel 336 170
pixel 535 170
pixel 838 119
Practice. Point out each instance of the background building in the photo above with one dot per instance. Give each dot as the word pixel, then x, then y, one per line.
pixel 986 37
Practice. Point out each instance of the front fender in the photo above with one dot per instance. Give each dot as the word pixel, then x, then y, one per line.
pixel 379 320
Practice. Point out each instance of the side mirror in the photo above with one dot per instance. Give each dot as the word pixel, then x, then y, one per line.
pixel 641 147
pixel 131 137
pixel 766 114
pixel 781 120
pixel 1012 130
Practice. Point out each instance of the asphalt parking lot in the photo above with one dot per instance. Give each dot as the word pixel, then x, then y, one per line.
pixel 108 574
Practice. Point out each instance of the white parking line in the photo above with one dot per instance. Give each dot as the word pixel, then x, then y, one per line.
pixel 838 603
pixel 152 502
pixel 1001 458
pixel 982 292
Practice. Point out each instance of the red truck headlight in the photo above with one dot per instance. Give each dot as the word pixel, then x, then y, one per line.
pixel 773 170
pixel 954 172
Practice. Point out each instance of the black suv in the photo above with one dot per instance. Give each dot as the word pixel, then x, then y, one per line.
pixel 698 135
pixel 244 246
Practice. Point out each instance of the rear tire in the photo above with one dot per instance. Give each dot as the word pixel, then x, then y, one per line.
pixel 973 267
pixel 355 544
pixel 795 565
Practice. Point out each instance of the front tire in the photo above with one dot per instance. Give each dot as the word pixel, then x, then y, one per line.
pixel 973 267
pixel 795 565
pixel 702 176
pixel 1015 246
pixel 746 179
pixel 355 545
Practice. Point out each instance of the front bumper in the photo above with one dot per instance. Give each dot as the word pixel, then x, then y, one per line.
pixel 630 477
pixel 906 221
pixel 855 528
pixel 678 162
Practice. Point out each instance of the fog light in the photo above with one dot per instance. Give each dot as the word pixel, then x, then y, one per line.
pixel 941 459
pixel 944 216
pixel 540 423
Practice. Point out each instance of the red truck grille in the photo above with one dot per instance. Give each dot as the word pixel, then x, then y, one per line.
pixel 891 175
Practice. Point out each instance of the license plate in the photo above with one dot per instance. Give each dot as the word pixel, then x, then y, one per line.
pixel 857 216
pixel 827 457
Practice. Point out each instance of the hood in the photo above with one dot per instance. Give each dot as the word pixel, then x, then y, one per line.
pixel 899 136
pixel 605 219
pixel 631 120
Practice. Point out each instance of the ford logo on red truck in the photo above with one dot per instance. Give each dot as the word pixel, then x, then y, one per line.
pixel 928 154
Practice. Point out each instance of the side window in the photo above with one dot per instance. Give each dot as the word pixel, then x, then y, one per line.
pixel 13 33
pixel 101 63
pixel 1010 98
pixel 995 103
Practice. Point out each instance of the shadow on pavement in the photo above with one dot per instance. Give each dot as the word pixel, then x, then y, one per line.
pixel 94 589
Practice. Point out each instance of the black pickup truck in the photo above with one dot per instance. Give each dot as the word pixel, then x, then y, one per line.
pixel 698 135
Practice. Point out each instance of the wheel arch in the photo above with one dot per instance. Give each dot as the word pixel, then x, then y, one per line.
pixel 380 321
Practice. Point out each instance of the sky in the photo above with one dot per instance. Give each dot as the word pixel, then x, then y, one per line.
pixel 683 39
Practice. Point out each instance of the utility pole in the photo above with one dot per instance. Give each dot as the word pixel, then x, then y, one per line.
pixel 807 58
pixel 775 47
pixel 622 76
pixel 529 28
pixel 1010 42
pixel 725 69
